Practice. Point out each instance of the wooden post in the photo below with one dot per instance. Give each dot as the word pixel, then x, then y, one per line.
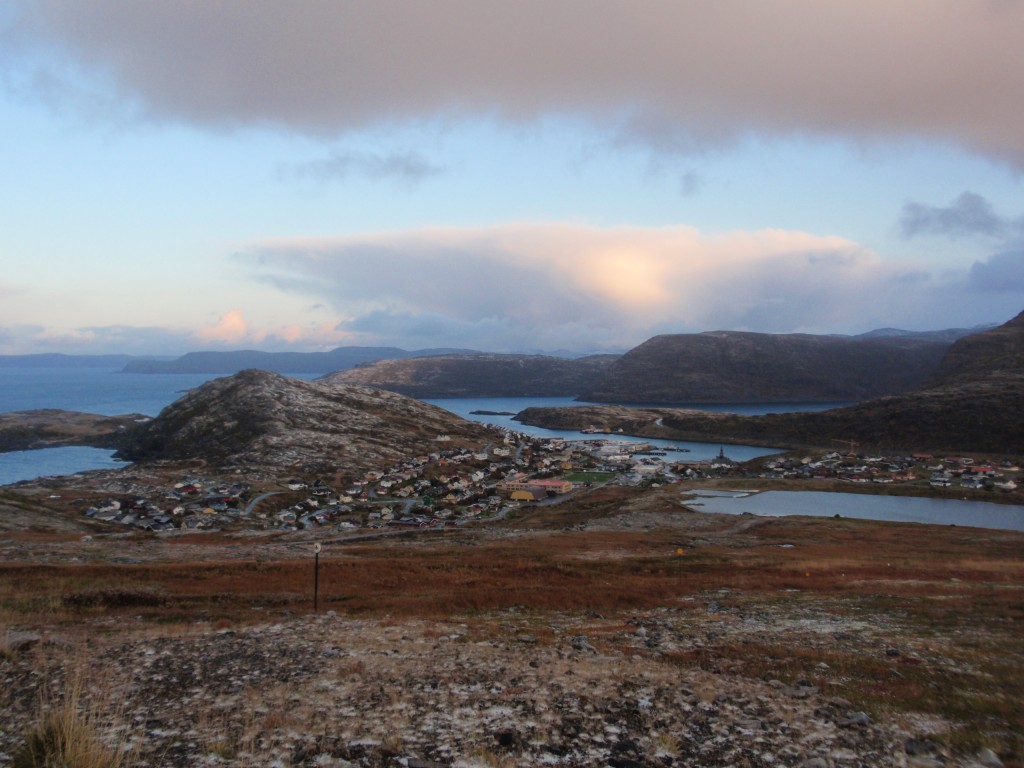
pixel 316 576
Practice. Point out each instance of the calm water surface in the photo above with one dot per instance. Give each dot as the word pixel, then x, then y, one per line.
pixel 464 406
pixel 904 509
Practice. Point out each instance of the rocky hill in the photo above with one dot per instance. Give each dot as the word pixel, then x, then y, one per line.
pixel 738 367
pixel 265 419
pixel 976 403
pixel 479 375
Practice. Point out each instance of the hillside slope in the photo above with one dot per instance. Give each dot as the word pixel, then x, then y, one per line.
pixel 738 367
pixel 479 375
pixel 993 353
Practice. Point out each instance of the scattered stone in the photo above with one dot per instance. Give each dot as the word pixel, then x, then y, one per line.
pixel 19 642
pixel 915 747
pixel 989 759
pixel 857 719
pixel 579 643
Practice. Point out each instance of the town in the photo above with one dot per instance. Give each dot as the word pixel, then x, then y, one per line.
pixel 454 486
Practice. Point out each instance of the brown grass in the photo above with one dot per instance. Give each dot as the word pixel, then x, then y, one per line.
pixel 457 575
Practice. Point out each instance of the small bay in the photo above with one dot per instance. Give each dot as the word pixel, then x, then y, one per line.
pixel 16 466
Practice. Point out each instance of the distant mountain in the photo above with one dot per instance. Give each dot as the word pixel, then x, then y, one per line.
pixel 975 402
pixel 261 419
pixel 54 360
pixel 949 335
pixel 479 375
pixel 338 359
pixel 741 367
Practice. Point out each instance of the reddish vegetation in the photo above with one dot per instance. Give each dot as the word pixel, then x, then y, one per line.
pixel 445 575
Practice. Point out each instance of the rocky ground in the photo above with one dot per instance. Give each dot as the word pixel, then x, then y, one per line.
pixel 508 690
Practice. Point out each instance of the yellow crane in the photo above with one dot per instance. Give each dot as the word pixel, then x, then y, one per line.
pixel 853 444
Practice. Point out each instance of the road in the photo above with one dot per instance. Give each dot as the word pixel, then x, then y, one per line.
pixel 252 504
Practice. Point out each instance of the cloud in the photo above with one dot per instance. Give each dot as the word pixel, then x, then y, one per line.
pixel 408 167
pixel 1000 273
pixel 970 214
pixel 678 75
pixel 231 328
pixel 94 340
pixel 534 286
pixel 232 331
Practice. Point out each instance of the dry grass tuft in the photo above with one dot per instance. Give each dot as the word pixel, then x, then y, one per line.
pixel 69 734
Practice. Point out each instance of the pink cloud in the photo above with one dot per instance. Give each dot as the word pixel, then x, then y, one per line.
pixel 233 330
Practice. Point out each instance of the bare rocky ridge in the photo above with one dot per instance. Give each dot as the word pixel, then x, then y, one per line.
pixel 479 375
pixel 265 419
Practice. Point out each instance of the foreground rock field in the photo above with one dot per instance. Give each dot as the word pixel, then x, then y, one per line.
pixel 513 690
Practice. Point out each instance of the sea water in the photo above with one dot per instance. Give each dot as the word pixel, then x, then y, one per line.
pixel 110 392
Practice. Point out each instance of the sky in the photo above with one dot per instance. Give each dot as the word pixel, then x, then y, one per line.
pixel 509 176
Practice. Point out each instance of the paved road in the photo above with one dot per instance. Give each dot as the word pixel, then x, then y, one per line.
pixel 252 504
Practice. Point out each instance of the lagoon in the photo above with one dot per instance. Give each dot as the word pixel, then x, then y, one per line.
pixel 903 509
